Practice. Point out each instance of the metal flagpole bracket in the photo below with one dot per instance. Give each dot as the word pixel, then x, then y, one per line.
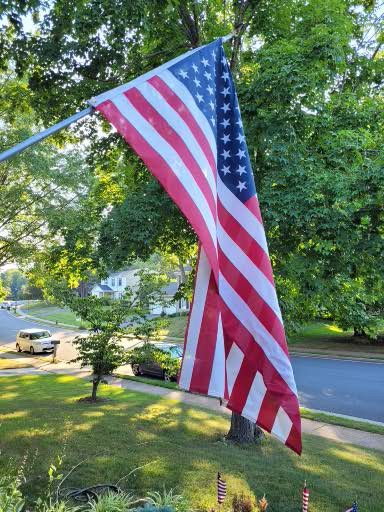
pixel 15 150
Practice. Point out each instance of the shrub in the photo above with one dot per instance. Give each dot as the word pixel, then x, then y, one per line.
pixel 112 502
pixel 11 499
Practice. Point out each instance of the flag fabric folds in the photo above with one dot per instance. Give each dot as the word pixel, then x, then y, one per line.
pixel 183 120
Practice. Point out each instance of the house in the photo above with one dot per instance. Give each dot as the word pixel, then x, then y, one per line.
pixel 116 283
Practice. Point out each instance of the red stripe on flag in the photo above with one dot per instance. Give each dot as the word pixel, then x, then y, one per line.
pixel 165 175
pixel 242 385
pixel 248 293
pixel 207 341
pixel 269 409
pixel 152 116
pixel 175 102
pixel 253 205
pixel 245 241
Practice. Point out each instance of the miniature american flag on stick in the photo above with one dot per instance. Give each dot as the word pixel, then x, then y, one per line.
pixel 353 508
pixel 221 489
pixel 183 119
pixel 305 497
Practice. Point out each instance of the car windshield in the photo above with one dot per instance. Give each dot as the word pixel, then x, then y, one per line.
pixel 176 351
pixel 39 335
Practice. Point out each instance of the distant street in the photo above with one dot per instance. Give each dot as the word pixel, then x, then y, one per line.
pixel 10 325
pixel 346 387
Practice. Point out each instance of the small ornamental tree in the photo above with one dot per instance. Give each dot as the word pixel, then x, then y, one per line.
pixel 150 329
pixel 100 348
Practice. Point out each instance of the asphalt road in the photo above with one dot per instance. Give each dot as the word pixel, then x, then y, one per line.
pixel 354 388
pixel 10 325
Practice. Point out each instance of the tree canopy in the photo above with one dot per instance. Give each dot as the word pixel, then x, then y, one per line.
pixel 309 77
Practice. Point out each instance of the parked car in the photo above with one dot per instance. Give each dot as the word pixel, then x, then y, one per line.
pixel 153 368
pixel 6 304
pixel 34 340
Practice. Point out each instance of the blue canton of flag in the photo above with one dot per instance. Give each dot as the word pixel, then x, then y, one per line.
pixel 207 76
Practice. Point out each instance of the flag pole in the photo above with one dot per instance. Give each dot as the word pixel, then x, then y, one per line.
pixel 15 150
pixel 38 137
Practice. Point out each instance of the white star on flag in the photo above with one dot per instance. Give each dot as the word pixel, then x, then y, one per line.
pixel 241 186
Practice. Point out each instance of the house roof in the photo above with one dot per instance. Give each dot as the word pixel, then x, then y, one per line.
pixel 171 288
pixel 105 288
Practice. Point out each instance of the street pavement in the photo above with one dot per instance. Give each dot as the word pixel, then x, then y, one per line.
pixel 10 325
pixel 353 388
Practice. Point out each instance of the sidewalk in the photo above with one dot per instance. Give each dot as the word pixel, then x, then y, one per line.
pixel 316 428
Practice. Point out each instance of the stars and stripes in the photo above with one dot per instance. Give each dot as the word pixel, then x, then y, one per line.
pixel 221 489
pixel 353 508
pixel 183 120
pixel 305 497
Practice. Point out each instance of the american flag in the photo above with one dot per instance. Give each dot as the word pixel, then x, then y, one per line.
pixel 183 120
pixel 305 498
pixel 353 508
pixel 221 489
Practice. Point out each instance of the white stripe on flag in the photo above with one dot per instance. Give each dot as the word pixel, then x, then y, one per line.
pixel 179 126
pixel 217 381
pixel 189 101
pixel 271 348
pixel 255 398
pixel 162 147
pixel 196 317
pixel 233 365
pixel 282 425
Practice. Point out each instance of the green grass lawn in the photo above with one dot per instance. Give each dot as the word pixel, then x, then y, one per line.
pixel 318 336
pixel 305 413
pixel 53 313
pixel 41 418
pixel 176 328
pixel 10 363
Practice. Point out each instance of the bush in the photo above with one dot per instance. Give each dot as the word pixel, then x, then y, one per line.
pixel 11 499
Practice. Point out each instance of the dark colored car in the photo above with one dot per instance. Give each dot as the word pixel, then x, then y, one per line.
pixel 152 368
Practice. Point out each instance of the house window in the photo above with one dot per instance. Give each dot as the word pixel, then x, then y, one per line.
pixel 113 281
pixel 120 281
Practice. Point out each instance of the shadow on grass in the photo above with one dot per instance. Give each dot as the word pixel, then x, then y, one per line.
pixel 41 417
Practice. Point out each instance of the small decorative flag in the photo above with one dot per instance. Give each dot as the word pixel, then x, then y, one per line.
pixel 221 489
pixel 305 497
pixel 353 508
pixel 263 504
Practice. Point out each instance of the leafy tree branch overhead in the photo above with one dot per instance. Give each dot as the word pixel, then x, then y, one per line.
pixel 309 76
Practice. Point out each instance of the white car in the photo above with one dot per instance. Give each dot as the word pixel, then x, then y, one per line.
pixel 34 340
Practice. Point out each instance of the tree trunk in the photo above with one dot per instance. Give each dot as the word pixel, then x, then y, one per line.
pixel 183 276
pixel 360 333
pixel 243 430
pixel 95 385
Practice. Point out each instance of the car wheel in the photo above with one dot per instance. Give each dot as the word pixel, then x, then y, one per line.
pixel 135 369
pixel 167 377
pixel 31 350
pixel 18 348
